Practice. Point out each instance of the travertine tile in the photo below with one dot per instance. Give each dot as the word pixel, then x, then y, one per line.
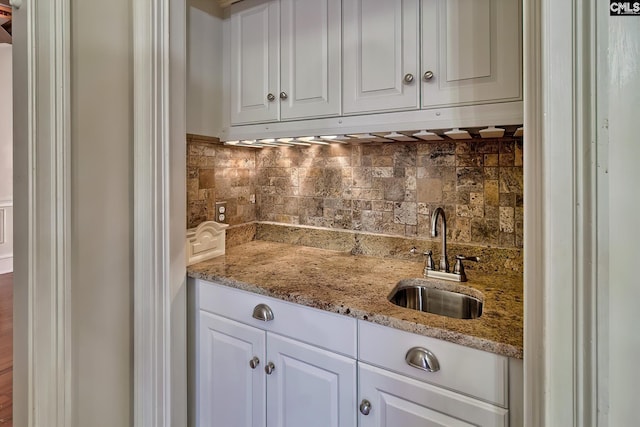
pixel 207 178
pixel 405 213
pixel 491 160
pixel 476 199
pixel 470 179
pixel 429 190
pixel 394 189
pixel 491 193
pixel 507 220
pixel 511 180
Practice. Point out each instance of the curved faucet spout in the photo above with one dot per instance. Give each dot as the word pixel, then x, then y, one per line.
pixel 439 212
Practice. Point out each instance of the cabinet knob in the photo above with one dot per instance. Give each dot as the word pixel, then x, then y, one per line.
pixel 408 78
pixel 421 358
pixel 428 75
pixel 254 362
pixel 15 3
pixel 263 312
pixel 365 407
pixel 269 368
pixel 271 97
pixel 283 95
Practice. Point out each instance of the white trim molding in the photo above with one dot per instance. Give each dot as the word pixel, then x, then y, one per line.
pixel 560 275
pixel 42 188
pixel 152 292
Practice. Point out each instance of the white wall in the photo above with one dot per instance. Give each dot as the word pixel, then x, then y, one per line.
pixel 204 67
pixel 102 211
pixel 622 206
pixel 6 159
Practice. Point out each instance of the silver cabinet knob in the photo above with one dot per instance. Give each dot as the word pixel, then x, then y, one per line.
pixel 428 75
pixel 365 407
pixel 15 3
pixel 254 362
pixel 271 97
pixel 263 312
pixel 421 358
pixel 408 78
pixel 269 368
pixel 283 95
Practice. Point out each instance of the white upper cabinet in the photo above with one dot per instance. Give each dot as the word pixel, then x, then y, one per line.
pixel 380 52
pixel 285 60
pixel 255 63
pixel 470 52
pixel 310 82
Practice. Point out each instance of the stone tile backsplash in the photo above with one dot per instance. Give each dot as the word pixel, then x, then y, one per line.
pixel 379 188
pixel 215 173
pixel 393 188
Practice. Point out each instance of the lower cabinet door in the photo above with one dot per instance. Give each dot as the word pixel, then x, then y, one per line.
pixel 309 386
pixel 230 377
pixel 391 400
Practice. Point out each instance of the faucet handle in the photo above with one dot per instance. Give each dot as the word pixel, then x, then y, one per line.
pixel 467 258
pixel 458 268
pixel 428 263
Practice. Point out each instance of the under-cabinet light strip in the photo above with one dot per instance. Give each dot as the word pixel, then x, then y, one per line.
pixel 358 138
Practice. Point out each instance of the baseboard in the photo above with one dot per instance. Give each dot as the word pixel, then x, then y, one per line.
pixel 6 264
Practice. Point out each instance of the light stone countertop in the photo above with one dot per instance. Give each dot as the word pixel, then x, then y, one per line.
pixel 358 286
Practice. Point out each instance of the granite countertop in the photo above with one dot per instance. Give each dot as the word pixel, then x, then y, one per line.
pixel 358 286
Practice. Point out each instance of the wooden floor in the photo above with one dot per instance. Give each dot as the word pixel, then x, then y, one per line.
pixel 6 349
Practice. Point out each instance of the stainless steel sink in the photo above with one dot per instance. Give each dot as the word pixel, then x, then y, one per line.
pixel 424 295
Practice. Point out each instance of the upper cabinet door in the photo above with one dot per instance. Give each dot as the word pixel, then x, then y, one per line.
pixel 255 41
pixel 310 58
pixel 380 54
pixel 471 52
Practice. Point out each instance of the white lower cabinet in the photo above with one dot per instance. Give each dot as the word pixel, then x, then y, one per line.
pixel 391 400
pixel 263 362
pixel 309 386
pixel 248 374
pixel 230 391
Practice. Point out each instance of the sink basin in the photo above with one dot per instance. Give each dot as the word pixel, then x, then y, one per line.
pixel 427 296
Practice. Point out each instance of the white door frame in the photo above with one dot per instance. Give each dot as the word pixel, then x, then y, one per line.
pixel 159 213
pixel 42 299
pixel 559 228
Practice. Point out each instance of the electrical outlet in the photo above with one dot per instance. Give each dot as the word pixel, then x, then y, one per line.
pixel 221 213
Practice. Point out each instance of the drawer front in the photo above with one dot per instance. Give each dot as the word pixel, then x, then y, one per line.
pixel 320 328
pixel 473 372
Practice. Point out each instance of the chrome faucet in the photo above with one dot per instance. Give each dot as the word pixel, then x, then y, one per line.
pixel 458 273
pixel 439 212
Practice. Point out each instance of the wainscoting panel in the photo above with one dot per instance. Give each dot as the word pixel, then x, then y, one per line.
pixel 6 236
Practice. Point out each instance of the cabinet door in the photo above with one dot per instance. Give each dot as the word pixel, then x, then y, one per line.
pixel 229 391
pixel 255 40
pixel 473 50
pixel 310 58
pixel 380 49
pixel 396 400
pixel 309 386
